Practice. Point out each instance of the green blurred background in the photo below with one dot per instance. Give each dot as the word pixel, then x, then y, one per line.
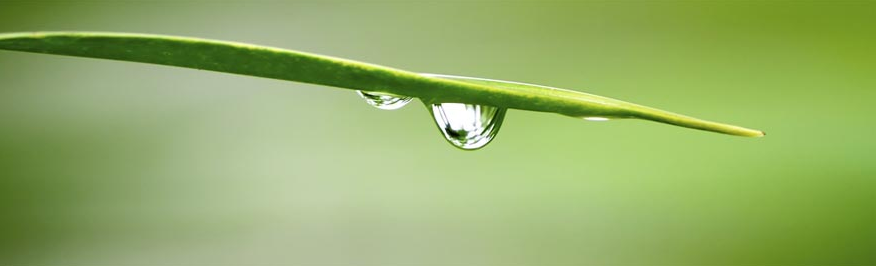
pixel 114 163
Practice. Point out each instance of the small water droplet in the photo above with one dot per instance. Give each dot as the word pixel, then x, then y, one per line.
pixel 384 101
pixel 468 126
pixel 596 118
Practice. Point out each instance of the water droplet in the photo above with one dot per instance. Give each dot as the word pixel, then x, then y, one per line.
pixel 596 118
pixel 384 101
pixel 468 126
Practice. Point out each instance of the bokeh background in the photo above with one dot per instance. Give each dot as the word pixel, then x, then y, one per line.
pixel 115 163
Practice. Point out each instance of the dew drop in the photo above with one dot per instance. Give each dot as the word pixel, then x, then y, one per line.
pixel 384 101
pixel 596 118
pixel 468 126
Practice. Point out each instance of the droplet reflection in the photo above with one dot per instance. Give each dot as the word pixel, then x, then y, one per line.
pixel 468 126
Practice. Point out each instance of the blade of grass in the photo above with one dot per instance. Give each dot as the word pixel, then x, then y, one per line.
pixel 268 62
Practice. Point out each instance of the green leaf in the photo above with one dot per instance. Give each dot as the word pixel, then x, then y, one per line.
pixel 260 61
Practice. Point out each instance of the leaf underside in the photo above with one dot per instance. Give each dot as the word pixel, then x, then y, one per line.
pixel 268 62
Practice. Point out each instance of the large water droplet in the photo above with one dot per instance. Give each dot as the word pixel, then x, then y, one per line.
pixel 384 101
pixel 468 126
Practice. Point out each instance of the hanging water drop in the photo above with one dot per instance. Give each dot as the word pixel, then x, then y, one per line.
pixel 468 126
pixel 596 118
pixel 384 101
